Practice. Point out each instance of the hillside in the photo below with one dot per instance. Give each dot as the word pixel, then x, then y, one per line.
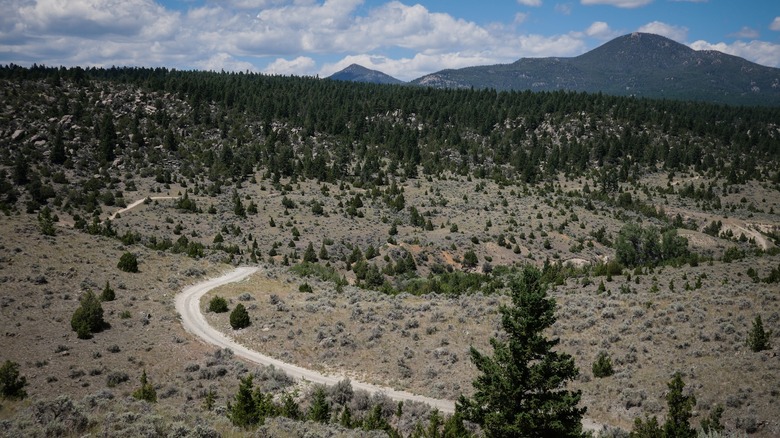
pixel 387 224
pixel 637 64
pixel 357 73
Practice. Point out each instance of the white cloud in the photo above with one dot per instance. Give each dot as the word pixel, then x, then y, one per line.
pixel 677 33
pixel 618 3
pixel 760 52
pixel 775 24
pixel 600 30
pixel 94 18
pixel 223 61
pixel 563 8
pixel 300 66
pixel 746 32
pixel 520 17
pixel 533 3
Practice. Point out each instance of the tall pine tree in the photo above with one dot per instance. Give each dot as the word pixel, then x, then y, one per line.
pixel 521 389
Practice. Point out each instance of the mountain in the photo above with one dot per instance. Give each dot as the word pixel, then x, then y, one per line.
pixel 358 73
pixel 637 64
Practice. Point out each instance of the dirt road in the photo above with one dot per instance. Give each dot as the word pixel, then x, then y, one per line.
pixel 188 306
pixel 137 203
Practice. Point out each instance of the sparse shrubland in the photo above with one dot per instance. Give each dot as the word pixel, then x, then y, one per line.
pixel 406 216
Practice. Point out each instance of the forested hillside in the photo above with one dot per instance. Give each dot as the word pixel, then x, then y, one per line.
pixel 182 124
pixel 391 226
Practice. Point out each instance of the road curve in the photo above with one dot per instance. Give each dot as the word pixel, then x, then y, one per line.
pixel 188 306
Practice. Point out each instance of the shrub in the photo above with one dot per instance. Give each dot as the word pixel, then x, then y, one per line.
pixel 11 383
pixel 108 294
pixel 239 318
pixel 146 392
pixel 218 305
pixel 758 338
pixel 115 378
pixel 88 318
pixel 602 367
pixel 128 262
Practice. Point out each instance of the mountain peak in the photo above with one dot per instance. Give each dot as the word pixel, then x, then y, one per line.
pixel 358 73
pixel 636 64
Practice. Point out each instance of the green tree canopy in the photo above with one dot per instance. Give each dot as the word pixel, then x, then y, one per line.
pixel 88 317
pixel 239 317
pixel 11 383
pixel 521 388
pixel 128 262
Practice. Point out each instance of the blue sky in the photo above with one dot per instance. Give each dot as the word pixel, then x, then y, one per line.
pixel 405 39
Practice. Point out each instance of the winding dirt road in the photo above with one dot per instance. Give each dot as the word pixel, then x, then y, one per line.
pixel 188 306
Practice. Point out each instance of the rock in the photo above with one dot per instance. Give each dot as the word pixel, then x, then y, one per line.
pixel 17 134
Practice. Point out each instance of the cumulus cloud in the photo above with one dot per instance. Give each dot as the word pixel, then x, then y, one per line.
pixel 534 3
pixel 223 61
pixel 745 32
pixel 618 3
pixel 97 17
pixel 677 33
pixel 300 66
pixel 775 24
pixel 600 30
pixel 760 52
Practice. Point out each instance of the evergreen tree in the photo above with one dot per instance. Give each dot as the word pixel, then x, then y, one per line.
pixel 454 428
pixel 128 262
pixel 108 138
pixel 602 367
pixel 218 304
pixel 323 255
pixel 46 222
pixel 758 338
pixel 680 410
pixel 146 392
pixel 88 317
pixel 58 149
pixel 320 408
pixel 108 293
pixel 243 412
pixel 290 408
pixel 309 255
pixel 11 383
pixel 239 318
pixel 520 391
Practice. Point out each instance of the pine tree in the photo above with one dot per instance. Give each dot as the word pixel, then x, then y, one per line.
pixel 239 318
pixel 243 412
pixel 108 293
pixel 46 222
pixel 11 383
pixel 309 255
pixel 323 255
pixel 146 392
pixel 758 338
pixel 602 367
pixel 680 410
pixel 320 408
pixel 520 391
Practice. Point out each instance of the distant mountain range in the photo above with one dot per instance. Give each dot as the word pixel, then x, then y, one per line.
pixel 637 64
